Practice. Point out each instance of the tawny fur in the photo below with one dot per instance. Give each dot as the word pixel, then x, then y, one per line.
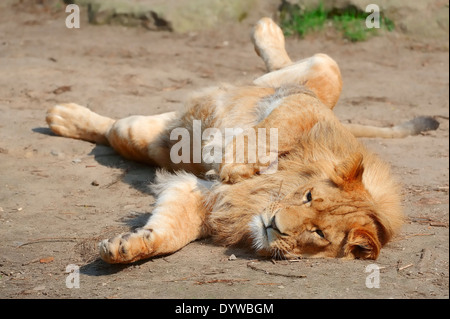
pixel 329 197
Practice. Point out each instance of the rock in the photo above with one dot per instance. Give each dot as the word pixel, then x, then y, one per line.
pixel 232 257
pixel 426 19
pixel 179 16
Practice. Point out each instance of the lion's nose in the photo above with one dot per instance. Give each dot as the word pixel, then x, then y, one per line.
pixel 273 224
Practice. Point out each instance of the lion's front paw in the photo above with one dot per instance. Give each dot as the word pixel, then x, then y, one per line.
pixel 127 247
pixel 236 172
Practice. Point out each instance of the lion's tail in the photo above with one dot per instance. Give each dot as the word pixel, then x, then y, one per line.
pixel 412 127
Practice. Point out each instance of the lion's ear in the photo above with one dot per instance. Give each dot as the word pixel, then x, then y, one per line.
pixel 362 243
pixel 349 172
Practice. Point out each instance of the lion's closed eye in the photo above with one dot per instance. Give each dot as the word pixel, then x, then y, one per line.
pixel 320 237
pixel 319 233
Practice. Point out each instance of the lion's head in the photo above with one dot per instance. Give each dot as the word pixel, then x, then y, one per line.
pixel 324 211
pixel 334 217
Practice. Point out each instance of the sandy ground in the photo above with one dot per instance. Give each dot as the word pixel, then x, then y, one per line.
pixel 59 197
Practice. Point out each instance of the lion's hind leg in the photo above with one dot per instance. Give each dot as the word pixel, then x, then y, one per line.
pixel 269 43
pixel 319 73
pixel 76 121
pixel 135 137
pixel 139 138
pixel 177 219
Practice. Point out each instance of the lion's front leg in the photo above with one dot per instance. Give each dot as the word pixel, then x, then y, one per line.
pixel 178 219
pixel 275 136
pixel 253 152
pixel 236 172
pixel 128 247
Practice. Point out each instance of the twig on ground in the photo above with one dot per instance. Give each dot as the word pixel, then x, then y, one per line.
pixel 404 267
pixel 51 239
pixel 253 267
pixel 224 281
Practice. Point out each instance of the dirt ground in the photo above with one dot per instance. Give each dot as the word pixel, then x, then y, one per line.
pixel 60 197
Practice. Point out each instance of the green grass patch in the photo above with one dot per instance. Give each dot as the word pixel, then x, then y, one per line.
pixel 349 22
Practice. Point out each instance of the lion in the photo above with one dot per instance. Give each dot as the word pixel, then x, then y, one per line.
pixel 318 192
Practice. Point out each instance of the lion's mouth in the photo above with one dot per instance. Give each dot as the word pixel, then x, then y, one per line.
pixel 264 231
pixel 259 232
